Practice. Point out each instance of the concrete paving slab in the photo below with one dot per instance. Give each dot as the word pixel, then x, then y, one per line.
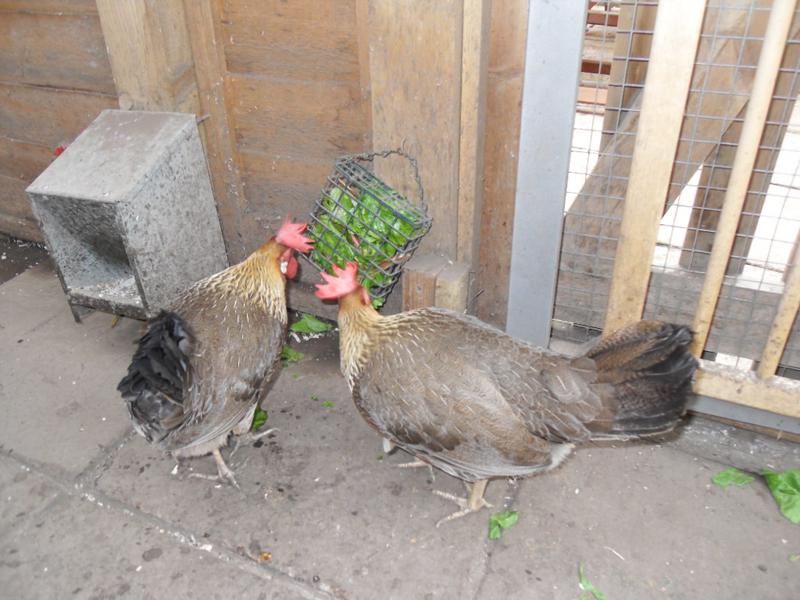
pixel 82 550
pixel 58 377
pixel 23 493
pixel 318 498
pixel 645 522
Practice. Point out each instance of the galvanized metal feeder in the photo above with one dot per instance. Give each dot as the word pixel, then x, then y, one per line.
pixel 362 219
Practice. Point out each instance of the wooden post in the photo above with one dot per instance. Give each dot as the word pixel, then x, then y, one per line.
pixel 475 52
pixel 677 33
pixel 783 322
pixel 204 20
pixel 415 73
pixel 752 129
pixel 419 280
pixel 150 54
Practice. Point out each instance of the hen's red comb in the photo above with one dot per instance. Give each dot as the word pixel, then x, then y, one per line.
pixel 291 235
pixel 338 285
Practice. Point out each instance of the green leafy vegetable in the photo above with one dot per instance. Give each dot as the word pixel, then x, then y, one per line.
pixel 732 476
pixel 588 587
pixel 500 521
pixel 368 224
pixel 259 418
pixel 310 324
pixel 785 488
pixel 289 355
pixel 327 403
pixel 314 398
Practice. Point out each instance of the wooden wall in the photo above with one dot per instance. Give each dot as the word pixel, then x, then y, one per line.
pixel 295 98
pixel 54 79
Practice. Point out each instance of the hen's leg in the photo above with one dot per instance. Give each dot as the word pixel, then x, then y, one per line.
pixel 248 438
pixel 415 464
pixel 224 474
pixel 473 503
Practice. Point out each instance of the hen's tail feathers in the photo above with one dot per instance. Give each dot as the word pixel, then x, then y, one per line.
pixel 644 376
pixel 153 387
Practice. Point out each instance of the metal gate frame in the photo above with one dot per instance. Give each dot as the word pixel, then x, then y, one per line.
pixel 542 177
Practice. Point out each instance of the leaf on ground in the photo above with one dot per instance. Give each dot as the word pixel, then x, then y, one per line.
pixel 290 355
pixel 310 324
pixel 500 521
pixel 327 403
pixel 732 476
pixel 588 587
pixel 259 418
pixel 785 488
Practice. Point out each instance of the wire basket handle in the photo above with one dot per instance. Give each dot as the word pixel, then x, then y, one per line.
pixel 369 156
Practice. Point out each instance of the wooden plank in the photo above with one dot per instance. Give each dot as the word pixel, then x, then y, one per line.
pixel 18 227
pixel 782 325
pixel 507 38
pixel 419 280
pixel 777 394
pixel 321 120
pixel 452 287
pixel 362 31
pixel 278 41
pixel 474 64
pixel 14 201
pixel 49 7
pixel 415 74
pixel 752 129
pixel 714 178
pixel 208 55
pixel 53 50
pixel 150 53
pixel 23 160
pixel 675 42
pixel 68 113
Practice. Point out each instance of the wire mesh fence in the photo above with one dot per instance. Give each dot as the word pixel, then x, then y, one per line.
pixel 603 143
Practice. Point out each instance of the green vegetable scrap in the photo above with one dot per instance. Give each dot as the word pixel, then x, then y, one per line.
pixel 327 403
pixel 590 591
pixel 259 418
pixel 289 355
pixel 732 476
pixel 785 488
pixel 500 521
pixel 310 324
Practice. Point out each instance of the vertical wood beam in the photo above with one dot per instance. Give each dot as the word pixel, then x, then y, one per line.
pixel 150 54
pixel 782 325
pixel 769 62
pixel 415 75
pixel 474 64
pixel 204 19
pixel 675 40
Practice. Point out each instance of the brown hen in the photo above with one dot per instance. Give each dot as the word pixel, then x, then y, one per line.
pixel 204 364
pixel 478 404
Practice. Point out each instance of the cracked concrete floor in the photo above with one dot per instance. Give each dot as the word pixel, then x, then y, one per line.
pixel 89 510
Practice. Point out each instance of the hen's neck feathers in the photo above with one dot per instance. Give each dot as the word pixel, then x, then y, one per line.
pixel 257 280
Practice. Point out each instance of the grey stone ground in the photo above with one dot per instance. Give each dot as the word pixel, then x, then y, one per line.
pixel 89 510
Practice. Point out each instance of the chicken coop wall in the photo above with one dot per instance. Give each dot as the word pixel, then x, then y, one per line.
pixel 282 89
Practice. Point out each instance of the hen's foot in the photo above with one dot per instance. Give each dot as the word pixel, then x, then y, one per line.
pixel 224 473
pixel 415 464
pixel 248 438
pixel 473 503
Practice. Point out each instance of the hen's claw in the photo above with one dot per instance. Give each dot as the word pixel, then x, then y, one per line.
pixel 473 503
pixel 224 473
pixel 415 464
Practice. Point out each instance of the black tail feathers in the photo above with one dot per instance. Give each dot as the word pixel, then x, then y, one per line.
pixel 153 387
pixel 645 375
